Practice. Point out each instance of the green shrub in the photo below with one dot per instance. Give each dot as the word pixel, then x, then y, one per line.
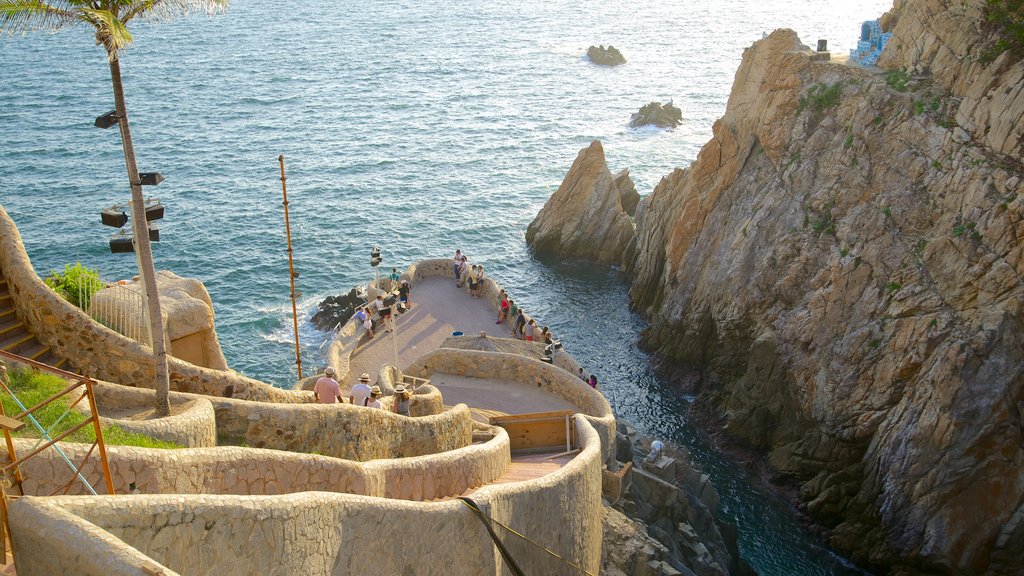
pixel 1004 19
pixel 848 142
pixel 76 284
pixel 821 97
pixel 893 286
pixel 32 387
pixel 897 80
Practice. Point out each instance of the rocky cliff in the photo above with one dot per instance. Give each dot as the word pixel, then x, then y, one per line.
pixel 845 262
pixel 585 217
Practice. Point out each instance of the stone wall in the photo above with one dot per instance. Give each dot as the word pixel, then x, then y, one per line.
pixel 474 364
pixel 254 471
pixel 195 426
pixel 317 532
pixel 337 430
pixel 95 350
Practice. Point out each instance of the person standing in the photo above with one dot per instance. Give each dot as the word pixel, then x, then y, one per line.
pixel 479 280
pixel 456 263
pixel 374 400
pixel 402 401
pixel 531 328
pixel 362 316
pixel 326 389
pixel 513 314
pixel 394 277
pixel 361 391
pixel 502 307
pixel 520 324
pixel 384 312
pixel 403 294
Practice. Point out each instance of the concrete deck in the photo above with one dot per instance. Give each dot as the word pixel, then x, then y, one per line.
pixel 438 309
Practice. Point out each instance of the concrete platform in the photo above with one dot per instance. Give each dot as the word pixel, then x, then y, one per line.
pixel 438 309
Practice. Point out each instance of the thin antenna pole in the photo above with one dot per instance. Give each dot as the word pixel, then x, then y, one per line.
pixel 291 266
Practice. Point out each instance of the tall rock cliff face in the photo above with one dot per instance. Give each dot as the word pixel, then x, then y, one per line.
pixel 846 261
pixel 585 218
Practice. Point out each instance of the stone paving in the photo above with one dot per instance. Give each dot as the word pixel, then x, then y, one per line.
pixel 438 309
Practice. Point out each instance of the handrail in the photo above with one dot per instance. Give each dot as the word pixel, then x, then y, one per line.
pixel 334 334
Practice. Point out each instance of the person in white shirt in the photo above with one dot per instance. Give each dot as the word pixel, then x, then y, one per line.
pixel 361 391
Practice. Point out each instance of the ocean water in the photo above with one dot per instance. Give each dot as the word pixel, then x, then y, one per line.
pixel 419 126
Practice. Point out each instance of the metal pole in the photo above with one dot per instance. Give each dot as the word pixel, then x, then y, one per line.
pixel 99 436
pixel 291 266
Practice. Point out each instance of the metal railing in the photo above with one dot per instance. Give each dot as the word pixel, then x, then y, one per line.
pixel 79 390
pixel 117 307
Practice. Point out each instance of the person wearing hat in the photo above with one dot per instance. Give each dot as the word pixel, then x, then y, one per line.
pixel 374 400
pixel 326 389
pixel 402 401
pixel 361 391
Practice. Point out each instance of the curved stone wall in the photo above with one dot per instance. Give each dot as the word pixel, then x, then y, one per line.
pixel 500 366
pixel 336 430
pixel 98 351
pixel 195 426
pixel 254 471
pixel 318 532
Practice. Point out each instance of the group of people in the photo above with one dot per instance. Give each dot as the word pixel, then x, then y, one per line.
pixel 464 272
pixel 508 311
pixel 326 390
pixel 364 314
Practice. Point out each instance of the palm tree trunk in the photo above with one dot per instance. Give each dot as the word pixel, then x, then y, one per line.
pixel 144 251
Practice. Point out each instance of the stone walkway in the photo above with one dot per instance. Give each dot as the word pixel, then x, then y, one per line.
pixel 438 309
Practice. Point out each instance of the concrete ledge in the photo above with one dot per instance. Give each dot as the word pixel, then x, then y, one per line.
pixel 318 532
pixel 194 427
pixel 253 471
pixel 476 364
pixel 337 430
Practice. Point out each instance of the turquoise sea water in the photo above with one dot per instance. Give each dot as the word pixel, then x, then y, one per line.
pixel 419 126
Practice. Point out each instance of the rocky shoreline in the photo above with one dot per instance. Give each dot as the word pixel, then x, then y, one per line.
pixel 845 261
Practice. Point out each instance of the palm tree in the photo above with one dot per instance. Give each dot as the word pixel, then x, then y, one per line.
pixel 109 19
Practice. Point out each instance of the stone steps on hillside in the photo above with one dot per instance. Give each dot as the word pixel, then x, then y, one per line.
pixel 16 338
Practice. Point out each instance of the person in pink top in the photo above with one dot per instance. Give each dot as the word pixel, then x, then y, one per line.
pixel 326 389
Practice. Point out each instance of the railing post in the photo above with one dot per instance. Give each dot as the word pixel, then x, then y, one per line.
pixel 568 438
pixel 99 436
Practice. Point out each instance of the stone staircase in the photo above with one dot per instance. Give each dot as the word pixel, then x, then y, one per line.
pixel 15 336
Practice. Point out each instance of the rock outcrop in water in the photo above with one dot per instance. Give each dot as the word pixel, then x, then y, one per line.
pixel 658 114
pixel 609 56
pixel 585 218
pixel 335 310
pixel 845 262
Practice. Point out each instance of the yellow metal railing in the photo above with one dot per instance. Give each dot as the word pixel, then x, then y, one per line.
pixel 10 474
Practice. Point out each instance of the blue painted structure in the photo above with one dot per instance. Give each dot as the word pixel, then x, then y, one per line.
pixel 872 42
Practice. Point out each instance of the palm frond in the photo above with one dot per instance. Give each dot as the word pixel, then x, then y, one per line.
pixel 18 16
pixel 166 9
pixel 110 30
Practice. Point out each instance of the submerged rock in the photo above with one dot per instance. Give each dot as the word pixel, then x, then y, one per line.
pixel 584 218
pixel 609 56
pixel 658 114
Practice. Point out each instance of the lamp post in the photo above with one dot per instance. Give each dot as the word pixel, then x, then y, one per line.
pixel 141 241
